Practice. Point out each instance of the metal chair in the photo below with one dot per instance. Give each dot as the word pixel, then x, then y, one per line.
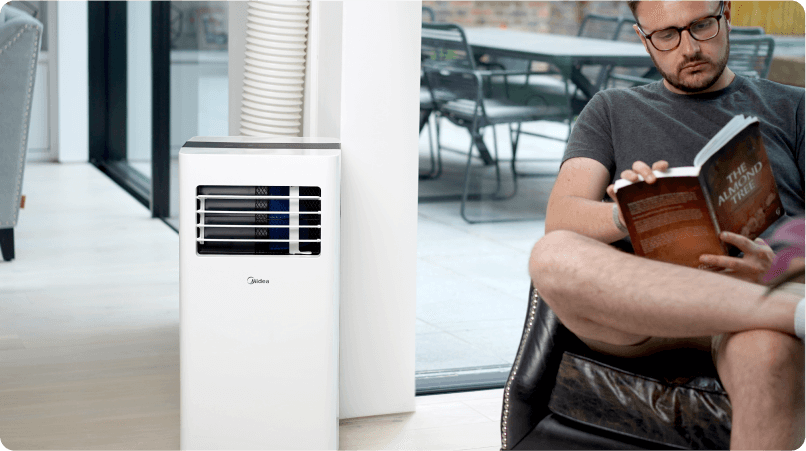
pixel 550 85
pixel 599 27
pixel 20 38
pixel 450 69
pixel 429 110
pixel 751 56
pixel 595 26
pixel 626 77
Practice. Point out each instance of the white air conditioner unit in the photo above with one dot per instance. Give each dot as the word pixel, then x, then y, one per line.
pixel 259 288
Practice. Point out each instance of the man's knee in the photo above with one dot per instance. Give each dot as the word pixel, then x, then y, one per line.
pixel 551 255
pixel 763 357
pixel 558 268
pixel 561 258
pixel 561 270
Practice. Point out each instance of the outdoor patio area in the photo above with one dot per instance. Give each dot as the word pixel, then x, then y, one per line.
pixel 472 280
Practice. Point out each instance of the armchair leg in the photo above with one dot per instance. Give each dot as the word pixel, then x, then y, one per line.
pixel 7 244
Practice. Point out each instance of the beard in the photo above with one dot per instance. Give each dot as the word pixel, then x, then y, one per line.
pixel 693 86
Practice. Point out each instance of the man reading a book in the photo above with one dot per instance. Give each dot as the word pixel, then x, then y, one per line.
pixel 626 305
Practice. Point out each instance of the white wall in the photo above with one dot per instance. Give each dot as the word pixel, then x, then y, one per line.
pixel 39 128
pixel 362 86
pixel 69 73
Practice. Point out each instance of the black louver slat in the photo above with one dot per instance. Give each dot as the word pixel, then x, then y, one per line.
pixel 258 220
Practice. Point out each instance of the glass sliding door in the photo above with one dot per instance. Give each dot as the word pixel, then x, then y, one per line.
pixel 198 80
pixel 121 50
pixel 158 77
pixel 138 89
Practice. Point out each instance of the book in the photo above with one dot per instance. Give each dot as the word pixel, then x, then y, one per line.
pixel 731 187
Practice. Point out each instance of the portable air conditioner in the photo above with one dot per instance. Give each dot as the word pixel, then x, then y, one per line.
pixel 259 288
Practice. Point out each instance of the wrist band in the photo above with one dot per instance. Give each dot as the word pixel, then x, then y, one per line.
pixel 617 221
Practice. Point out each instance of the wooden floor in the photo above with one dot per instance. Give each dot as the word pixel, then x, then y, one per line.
pixel 89 333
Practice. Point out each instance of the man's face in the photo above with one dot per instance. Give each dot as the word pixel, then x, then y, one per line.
pixel 694 66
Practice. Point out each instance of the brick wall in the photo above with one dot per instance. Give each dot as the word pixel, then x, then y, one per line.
pixel 564 17
pixel 541 17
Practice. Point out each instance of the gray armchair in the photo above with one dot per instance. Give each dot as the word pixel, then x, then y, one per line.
pixel 20 36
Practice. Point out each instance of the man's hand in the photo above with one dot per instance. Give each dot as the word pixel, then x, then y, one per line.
pixel 642 169
pixel 638 168
pixel 758 257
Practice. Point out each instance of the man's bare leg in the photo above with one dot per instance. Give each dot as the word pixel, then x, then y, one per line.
pixel 762 371
pixel 607 296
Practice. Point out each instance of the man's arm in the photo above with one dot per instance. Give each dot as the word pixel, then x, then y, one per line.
pixel 576 203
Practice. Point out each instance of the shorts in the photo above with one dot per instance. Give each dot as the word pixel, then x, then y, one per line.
pixel 653 345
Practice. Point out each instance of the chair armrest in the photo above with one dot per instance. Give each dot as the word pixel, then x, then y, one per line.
pixel 533 375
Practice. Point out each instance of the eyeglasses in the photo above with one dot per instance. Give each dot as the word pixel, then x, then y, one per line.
pixel 701 30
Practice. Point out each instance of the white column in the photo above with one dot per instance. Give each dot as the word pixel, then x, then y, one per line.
pixel 379 104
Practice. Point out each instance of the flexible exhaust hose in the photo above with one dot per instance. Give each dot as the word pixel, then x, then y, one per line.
pixel 274 68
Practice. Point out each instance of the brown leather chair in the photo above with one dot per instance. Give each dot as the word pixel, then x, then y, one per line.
pixel 562 395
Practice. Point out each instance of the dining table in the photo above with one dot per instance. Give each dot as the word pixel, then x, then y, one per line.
pixel 569 54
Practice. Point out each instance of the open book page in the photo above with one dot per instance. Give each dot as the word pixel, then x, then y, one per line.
pixel 684 171
pixel 669 219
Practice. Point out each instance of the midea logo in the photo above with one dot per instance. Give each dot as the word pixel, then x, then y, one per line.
pixel 252 280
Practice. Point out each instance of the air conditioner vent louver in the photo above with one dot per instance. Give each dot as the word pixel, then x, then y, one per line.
pixel 258 220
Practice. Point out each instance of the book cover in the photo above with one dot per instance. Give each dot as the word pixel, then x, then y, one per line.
pixel 670 220
pixel 732 188
pixel 740 185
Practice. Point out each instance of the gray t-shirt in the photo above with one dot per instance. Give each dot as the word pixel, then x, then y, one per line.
pixel 651 123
